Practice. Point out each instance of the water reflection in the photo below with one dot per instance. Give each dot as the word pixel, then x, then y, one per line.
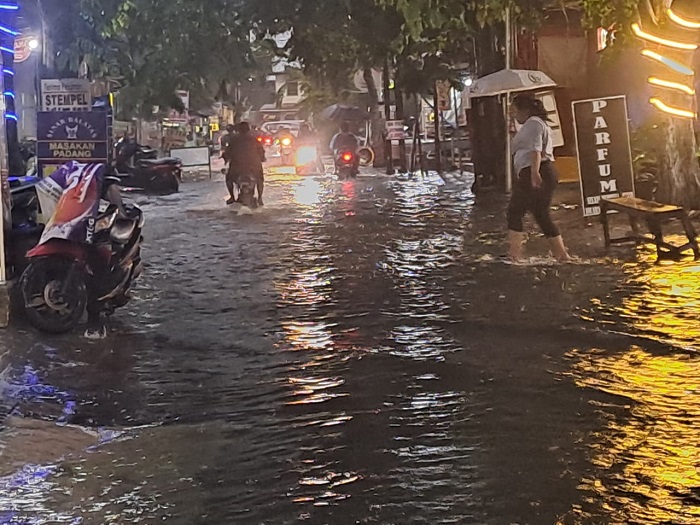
pixel 661 301
pixel 646 461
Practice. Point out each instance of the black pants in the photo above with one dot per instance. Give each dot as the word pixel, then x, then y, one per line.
pixel 535 200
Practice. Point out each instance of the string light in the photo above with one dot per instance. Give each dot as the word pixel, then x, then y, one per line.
pixel 672 85
pixel 8 72
pixel 681 21
pixel 671 110
pixel 663 41
pixel 672 64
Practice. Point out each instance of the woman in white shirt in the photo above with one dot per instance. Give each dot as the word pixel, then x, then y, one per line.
pixel 535 177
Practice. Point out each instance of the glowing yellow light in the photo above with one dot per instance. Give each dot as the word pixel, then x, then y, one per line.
pixel 671 85
pixel 663 41
pixel 675 66
pixel 677 112
pixel 682 21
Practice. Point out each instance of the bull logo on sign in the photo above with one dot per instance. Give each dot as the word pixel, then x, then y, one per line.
pixel 72 133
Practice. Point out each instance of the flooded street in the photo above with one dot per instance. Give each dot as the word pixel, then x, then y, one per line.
pixel 358 353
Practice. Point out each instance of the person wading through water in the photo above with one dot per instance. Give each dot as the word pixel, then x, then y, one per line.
pixel 536 178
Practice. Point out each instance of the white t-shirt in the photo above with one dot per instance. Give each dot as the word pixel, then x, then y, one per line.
pixel 534 135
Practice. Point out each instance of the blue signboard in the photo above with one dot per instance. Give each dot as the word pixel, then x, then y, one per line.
pixel 63 136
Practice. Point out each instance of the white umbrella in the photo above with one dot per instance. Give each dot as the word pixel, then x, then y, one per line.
pixel 510 81
pixel 505 82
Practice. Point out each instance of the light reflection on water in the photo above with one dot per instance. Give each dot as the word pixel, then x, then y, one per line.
pixel 646 460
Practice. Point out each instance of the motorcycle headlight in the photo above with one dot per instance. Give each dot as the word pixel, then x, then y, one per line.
pixel 105 223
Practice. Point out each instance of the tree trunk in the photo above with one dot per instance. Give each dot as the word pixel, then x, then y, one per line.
pixel 679 178
pixel 375 116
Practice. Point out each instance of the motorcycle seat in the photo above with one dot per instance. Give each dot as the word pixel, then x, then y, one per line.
pixel 160 162
pixel 122 230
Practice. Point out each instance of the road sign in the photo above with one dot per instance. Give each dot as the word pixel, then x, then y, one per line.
pixel 604 152
pixel 68 94
pixel 395 130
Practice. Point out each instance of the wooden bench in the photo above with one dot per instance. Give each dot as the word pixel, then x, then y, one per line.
pixel 654 214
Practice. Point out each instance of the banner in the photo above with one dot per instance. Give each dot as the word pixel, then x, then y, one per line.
pixel 81 136
pixel 603 151
pixel 68 94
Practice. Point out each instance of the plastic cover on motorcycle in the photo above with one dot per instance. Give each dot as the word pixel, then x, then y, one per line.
pixel 74 216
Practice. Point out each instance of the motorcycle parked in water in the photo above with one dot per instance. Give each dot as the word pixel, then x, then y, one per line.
pixel 88 256
pixel 148 174
pixel 345 164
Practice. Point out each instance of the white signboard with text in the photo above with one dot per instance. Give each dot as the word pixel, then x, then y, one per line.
pixel 67 94
pixel 395 130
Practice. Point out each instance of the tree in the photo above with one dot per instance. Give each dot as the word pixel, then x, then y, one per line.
pixel 153 47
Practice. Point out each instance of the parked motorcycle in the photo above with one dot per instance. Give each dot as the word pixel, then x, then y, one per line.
pixel 89 252
pixel 153 175
pixel 345 164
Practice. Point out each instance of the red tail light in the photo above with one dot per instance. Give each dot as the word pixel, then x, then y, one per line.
pixel 347 157
pixel 268 140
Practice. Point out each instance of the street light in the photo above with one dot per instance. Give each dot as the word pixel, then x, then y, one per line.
pixel 33 44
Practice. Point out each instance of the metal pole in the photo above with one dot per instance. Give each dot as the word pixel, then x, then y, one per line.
pixel 509 166
pixel 438 142
pixel 508 39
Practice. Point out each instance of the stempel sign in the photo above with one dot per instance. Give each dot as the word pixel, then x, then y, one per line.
pixel 603 149
pixel 80 136
pixel 69 94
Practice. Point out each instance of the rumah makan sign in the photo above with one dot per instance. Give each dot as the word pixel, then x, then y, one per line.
pixel 603 150
pixel 63 136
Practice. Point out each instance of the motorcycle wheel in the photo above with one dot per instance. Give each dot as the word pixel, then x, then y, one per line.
pixel 54 293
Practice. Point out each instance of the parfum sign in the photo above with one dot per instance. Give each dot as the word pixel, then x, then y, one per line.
pixel 603 149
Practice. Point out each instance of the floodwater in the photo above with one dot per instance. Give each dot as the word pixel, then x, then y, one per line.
pixel 358 353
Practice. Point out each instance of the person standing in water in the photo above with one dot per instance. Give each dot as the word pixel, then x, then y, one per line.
pixel 535 178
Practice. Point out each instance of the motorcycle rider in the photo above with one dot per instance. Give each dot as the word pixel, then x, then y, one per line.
pixel 345 140
pixel 226 140
pixel 245 156
pixel 306 135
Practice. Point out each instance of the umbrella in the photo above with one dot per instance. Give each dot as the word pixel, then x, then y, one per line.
pixel 505 82
pixel 510 81
pixel 340 112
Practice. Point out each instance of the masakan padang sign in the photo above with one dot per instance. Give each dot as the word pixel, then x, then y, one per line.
pixel 603 150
